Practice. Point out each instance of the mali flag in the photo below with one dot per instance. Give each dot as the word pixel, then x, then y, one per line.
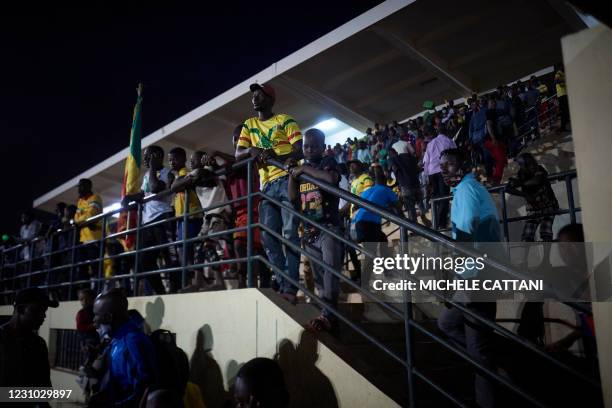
pixel 131 175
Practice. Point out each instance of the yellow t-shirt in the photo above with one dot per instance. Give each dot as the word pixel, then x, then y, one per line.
pixel 179 199
pixel 543 89
pixel 392 184
pixel 560 84
pixel 279 132
pixel 87 208
pixel 359 185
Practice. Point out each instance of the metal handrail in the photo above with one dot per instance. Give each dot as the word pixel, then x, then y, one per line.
pixel 536 106
pixel 443 239
pixel 401 222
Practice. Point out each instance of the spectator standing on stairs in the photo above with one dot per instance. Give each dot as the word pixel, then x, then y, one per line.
pixel 274 136
pixel 368 224
pixel 322 207
pixel 474 220
pixel 431 168
pixel 532 184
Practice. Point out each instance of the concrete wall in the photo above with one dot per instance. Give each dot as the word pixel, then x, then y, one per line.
pixel 219 331
pixel 588 58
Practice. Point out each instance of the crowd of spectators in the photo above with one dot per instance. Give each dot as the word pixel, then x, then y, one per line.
pixel 404 157
pixel 399 167
pixel 123 365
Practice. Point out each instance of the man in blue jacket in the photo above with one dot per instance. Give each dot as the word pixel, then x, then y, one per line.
pixel 133 364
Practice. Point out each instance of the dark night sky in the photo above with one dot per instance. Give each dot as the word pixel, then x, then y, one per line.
pixel 68 76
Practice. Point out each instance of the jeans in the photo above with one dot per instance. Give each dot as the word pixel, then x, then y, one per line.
pixel 282 222
pixel 477 339
pixel 329 250
pixel 153 236
pixel 411 197
pixel 482 155
pixel 193 228
pixel 373 240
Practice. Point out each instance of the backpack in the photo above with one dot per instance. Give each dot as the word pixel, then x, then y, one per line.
pixel 173 364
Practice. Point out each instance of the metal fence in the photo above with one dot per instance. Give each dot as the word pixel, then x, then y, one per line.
pixel 68 354
pixel 14 271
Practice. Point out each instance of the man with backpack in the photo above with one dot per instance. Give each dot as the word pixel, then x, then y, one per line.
pixel 133 365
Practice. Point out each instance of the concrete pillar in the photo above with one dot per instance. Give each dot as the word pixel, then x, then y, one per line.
pixel 588 58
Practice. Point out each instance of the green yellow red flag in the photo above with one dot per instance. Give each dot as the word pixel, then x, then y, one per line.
pixel 131 174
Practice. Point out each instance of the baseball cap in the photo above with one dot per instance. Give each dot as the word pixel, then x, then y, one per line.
pixel 265 88
pixel 34 295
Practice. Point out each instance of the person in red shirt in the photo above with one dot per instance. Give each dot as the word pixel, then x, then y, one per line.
pixel 237 184
pixel 88 336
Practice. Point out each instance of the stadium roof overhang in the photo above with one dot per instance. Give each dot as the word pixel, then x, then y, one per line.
pixel 378 67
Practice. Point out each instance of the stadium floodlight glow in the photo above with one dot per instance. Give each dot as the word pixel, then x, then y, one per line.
pixel 328 124
pixel 337 131
pixel 112 207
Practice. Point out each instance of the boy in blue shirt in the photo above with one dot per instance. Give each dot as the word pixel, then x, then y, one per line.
pixel 368 224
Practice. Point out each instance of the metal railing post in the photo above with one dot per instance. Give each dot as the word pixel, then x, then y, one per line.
pixel 30 261
pixel 99 283
pixel 75 231
pixel 2 271
pixel 50 263
pixel 505 213
pixel 184 238
pixel 570 198
pixel 15 268
pixel 249 265
pixel 408 329
pixel 434 219
pixel 136 268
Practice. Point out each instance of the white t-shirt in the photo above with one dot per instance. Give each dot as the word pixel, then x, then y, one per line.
pixel 210 196
pixel 158 206
pixel 402 146
pixel 26 233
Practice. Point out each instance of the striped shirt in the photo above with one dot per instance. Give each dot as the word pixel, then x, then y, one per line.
pixel 279 132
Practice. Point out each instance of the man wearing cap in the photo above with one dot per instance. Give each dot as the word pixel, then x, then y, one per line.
pixel 24 359
pixel 273 136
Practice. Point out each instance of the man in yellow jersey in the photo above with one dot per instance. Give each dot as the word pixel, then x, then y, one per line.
pixel 89 205
pixel 273 136
pixel 360 181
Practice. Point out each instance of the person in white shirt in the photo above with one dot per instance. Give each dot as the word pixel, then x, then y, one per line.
pixel 30 229
pixel 211 192
pixel 157 179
